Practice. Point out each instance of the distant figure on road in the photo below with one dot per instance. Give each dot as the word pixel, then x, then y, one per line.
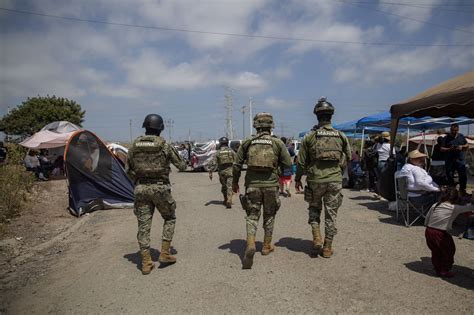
pixel 148 165
pixel 223 161
pixel 324 152
pixel 264 154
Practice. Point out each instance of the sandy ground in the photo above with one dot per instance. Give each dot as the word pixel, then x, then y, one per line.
pixel 378 265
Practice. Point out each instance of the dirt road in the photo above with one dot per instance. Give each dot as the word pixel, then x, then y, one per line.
pixel 378 266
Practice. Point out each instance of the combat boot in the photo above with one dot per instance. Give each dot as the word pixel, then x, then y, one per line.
pixel 249 252
pixel 317 240
pixel 327 250
pixel 165 256
pixel 147 263
pixel 267 245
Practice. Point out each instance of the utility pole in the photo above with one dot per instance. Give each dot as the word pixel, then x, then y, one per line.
pixel 169 124
pixel 229 107
pixel 250 116
pixel 130 124
pixel 243 120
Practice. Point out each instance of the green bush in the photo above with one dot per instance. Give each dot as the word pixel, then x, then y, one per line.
pixel 16 184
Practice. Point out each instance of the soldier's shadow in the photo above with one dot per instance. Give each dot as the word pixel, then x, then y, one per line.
pixel 297 245
pixel 136 259
pixel 237 247
pixel 214 202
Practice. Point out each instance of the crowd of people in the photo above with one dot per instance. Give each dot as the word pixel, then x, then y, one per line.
pixel 42 165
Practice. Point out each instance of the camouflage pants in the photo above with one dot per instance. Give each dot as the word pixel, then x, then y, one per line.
pixel 147 198
pixel 330 195
pixel 268 198
pixel 226 189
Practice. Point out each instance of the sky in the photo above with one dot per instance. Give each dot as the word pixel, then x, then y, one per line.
pixel 121 60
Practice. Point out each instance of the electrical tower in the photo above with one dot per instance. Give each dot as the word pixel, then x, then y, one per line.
pixel 169 125
pixel 229 107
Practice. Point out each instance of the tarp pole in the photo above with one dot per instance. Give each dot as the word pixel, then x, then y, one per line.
pixel 424 143
pixel 362 142
pixel 408 137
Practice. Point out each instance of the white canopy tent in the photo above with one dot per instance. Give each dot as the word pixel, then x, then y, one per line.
pixel 53 135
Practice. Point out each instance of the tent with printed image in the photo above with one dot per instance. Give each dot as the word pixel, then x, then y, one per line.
pixel 96 178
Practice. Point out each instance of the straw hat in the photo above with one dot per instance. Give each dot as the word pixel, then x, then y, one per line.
pixel 386 135
pixel 415 154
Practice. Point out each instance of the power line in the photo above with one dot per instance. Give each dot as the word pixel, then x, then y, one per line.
pixel 244 35
pixel 405 17
pixel 415 5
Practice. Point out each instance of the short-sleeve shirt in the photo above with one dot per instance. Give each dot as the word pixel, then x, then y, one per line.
pixel 450 141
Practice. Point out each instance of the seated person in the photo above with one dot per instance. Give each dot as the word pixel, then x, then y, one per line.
pixel 45 163
pixel 58 166
pixel 422 190
pixel 32 164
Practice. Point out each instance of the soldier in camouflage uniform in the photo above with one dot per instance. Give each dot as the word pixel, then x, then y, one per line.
pixel 322 157
pixel 148 165
pixel 264 155
pixel 223 161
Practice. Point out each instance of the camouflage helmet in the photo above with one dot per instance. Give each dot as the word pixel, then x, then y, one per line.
pixel 223 141
pixel 153 121
pixel 263 120
pixel 323 107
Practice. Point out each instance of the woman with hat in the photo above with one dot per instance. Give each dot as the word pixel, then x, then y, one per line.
pixel 421 187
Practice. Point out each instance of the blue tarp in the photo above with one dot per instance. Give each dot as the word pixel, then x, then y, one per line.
pixel 351 126
pixel 383 119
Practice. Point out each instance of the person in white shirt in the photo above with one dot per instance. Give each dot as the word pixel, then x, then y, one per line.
pixel 422 189
pixel 383 148
pixel 438 222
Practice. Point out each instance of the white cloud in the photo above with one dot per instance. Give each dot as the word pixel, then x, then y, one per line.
pixel 276 103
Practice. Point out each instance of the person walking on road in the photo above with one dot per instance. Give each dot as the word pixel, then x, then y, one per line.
pixel 223 161
pixel 148 165
pixel 264 155
pixel 324 152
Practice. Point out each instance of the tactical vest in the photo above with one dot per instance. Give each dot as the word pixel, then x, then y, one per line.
pixel 149 157
pixel 225 157
pixel 260 154
pixel 327 145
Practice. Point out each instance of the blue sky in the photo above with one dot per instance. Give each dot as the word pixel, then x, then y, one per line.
pixel 118 73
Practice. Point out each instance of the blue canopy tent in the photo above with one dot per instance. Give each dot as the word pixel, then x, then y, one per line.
pixel 351 130
pixel 407 124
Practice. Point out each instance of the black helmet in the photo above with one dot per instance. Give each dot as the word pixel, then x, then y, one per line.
pixel 223 141
pixel 153 121
pixel 323 107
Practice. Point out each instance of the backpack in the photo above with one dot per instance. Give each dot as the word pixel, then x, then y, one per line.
pixel 260 153
pixel 225 157
pixel 149 157
pixel 325 144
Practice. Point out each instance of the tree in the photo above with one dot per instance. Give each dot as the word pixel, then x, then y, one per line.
pixel 34 113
